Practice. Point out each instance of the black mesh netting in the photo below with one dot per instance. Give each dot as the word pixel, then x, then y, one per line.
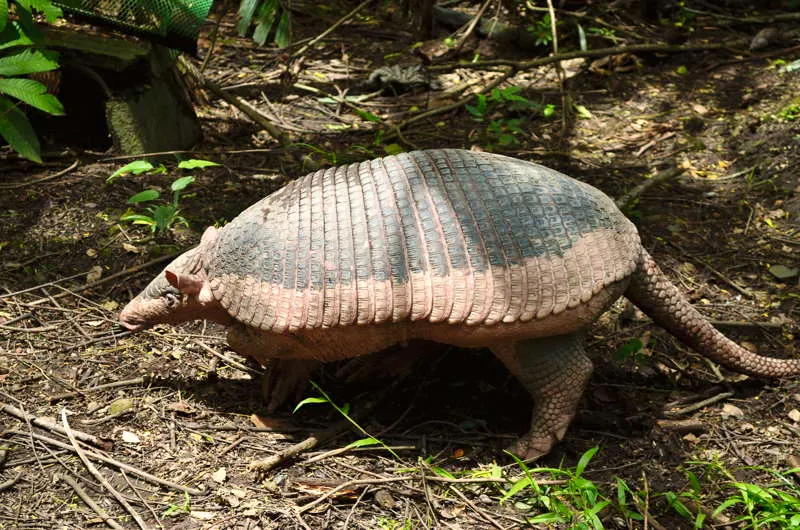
pixel 175 23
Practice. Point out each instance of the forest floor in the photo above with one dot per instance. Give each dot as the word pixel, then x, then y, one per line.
pixel 726 230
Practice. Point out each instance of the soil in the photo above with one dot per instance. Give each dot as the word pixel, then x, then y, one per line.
pixel 726 230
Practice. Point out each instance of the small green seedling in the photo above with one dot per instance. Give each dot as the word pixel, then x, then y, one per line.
pixel 344 410
pixel 160 218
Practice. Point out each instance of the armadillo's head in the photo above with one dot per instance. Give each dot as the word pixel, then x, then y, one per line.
pixel 179 293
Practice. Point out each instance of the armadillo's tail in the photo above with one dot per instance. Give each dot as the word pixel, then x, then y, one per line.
pixel 653 293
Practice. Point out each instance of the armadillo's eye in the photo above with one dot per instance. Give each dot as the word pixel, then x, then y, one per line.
pixel 173 300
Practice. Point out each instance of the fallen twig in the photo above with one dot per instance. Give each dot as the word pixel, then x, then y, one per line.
pixel 106 386
pixel 91 285
pixel 682 426
pixel 629 198
pixel 99 476
pixel 110 461
pixel 8 484
pixel 18 185
pixel 54 427
pixel 231 362
pixel 331 29
pixel 697 406
pixel 246 108
pixel 89 501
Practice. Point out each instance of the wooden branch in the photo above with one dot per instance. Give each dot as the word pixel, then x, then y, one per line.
pixel 246 108
pixel 54 427
pixel 699 405
pixel 89 501
pixel 110 461
pixel 331 29
pixel 632 196
pixel 99 476
pixel 600 52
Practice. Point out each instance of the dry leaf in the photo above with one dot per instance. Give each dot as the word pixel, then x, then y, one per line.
pixel 130 438
pixel 385 499
pixel 180 406
pixel 731 411
pixel 202 516
pixel 130 248
pixel 219 475
pixel 94 274
pixel 794 414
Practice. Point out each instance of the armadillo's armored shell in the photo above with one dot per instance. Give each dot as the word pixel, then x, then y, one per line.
pixel 442 235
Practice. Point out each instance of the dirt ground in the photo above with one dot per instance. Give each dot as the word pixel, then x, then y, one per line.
pixel 174 404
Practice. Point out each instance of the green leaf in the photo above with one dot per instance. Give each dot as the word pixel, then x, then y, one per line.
pixel 137 167
pixel 583 112
pixel 17 131
pixel 309 401
pixel 584 461
pixel 264 20
pixel 442 472
pixel 13 36
pixel 139 219
pixel 282 35
pixel 628 350
pixel 247 8
pixel 368 116
pixel 51 12
pixel 393 149
pixel 33 93
pixel 165 216
pixel 26 62
pixel 195 163
pixel 548 110
pixel 144 196
pixel 181 183
pixel 3 14
pixel 364 442
pixel 582 39
pixel 782 272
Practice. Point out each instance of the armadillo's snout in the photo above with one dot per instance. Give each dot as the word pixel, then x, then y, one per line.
pixel 138 314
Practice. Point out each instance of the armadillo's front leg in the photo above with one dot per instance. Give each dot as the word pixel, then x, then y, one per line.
pixel 285 380
pixel 555 371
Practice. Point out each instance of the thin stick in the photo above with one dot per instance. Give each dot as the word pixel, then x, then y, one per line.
pixel 246 108
pixel 483 515
pixel 629 198
pixel 89 501
pixel 106 386
pixel 99 476
pixel 54 427
pixel 235 364
pixel 328 31
pixel 110 461
pixel 699 405
pixel 39 181
pixel 91 285
pixel 8 484
pixel 345 485
pixel 472 25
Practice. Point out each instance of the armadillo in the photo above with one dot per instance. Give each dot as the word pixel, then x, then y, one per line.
pixel 456 247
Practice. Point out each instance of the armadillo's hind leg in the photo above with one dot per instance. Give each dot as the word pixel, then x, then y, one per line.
pixel 555 371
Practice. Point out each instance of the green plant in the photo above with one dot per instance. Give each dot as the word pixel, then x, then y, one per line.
pixel 494 109
pixel 542 31
pixel 575 501
pixel 19 59
pixel 159 217
pixel 267 18
pixel 344 410
pixel 173 510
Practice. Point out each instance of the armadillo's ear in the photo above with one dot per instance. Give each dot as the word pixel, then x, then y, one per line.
pixel 185 283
